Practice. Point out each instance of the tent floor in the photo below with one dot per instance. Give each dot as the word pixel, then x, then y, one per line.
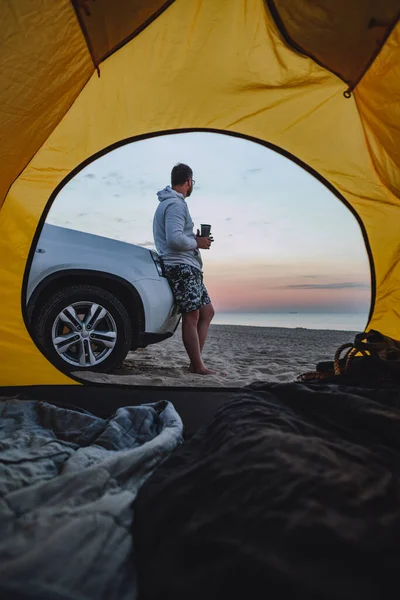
pixel 196 406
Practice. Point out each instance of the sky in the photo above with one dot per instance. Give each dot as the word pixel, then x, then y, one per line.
pixel 283 241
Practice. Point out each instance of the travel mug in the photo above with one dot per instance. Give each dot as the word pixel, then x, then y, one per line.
pixel 205 230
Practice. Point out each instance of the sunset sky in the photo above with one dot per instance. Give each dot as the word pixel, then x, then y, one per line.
pixel 283 242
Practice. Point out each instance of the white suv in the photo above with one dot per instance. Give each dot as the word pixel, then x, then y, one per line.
pixel 91 299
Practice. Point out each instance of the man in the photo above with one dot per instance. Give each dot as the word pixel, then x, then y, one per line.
pixel 179 248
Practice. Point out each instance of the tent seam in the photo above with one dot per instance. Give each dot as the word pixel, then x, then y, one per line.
pixel 138 30
pixel 85 35
pixel 276 18
pixel 295 46
pixel 377 53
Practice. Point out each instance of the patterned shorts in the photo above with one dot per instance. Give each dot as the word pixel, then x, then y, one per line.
pixel 187 286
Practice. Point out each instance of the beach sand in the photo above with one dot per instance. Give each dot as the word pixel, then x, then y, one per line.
pixel 244 354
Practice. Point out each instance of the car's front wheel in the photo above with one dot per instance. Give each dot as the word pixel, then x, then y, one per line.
pixel 83 328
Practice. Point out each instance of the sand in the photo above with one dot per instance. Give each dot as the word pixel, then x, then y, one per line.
pixel 240 355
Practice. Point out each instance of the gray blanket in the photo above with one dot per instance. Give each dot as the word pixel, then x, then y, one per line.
pixel 67 483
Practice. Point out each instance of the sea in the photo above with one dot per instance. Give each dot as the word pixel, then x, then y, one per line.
pixel 335 321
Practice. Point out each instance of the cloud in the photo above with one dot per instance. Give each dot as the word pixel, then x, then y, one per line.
pixel 309 276
pixel 113 178
pixel 327 286
pixel 255 170
pixel 228 219
pixel 90 176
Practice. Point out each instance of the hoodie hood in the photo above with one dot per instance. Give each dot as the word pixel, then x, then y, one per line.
pixel 168 194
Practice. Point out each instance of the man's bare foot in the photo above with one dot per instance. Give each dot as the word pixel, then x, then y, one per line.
pixel 202 371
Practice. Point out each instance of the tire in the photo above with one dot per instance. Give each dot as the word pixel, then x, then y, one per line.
pixel 63 318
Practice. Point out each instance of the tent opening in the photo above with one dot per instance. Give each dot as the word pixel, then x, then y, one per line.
pixel 288 272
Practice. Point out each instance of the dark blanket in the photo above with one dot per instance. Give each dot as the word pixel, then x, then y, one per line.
pixel 68 480
pixel 292 488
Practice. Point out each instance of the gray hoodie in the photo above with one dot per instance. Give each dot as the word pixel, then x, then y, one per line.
pixel 173 232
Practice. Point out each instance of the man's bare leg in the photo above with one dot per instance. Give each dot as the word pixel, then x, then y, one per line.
pixel 190 337
pixel 206 314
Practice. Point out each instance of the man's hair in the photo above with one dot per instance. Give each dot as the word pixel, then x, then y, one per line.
pixel 180 173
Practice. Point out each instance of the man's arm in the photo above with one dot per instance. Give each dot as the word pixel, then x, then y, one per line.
pixel 175 218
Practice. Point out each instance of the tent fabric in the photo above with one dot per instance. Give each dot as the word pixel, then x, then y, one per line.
pixel 107 25
pixel 343 36
pixel 44 63
pixel 379 105
pixel 194 65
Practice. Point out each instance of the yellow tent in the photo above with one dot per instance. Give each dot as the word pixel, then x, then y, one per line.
pixel 318 81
